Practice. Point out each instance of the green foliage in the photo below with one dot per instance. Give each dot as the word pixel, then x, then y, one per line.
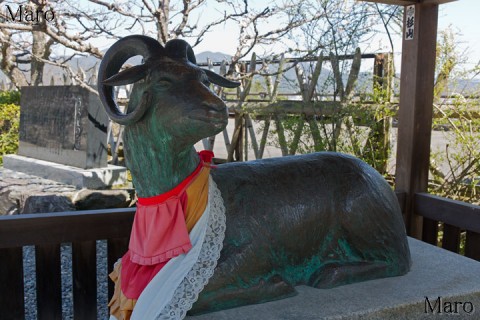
pixel 9 122
pixel 459 117
pixel 9 97
pixel 455 170
pixel 460 179
pixel 361 129
pixel 446 60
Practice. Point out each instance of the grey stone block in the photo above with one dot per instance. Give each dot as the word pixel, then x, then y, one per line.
pixel 97 178
pixel 435 273
pixel 63 124
pixel 86 199
pixel 45 203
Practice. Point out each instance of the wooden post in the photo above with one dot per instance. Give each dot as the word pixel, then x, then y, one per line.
pixel 383 73
pixel 416 104
pixel 378 141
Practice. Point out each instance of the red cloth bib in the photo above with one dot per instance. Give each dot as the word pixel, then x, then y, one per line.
pixel 159 233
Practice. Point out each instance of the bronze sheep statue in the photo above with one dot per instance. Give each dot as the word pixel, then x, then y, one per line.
pixel 323 219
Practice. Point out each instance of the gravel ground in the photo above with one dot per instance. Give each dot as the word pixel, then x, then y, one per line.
pixel 66 269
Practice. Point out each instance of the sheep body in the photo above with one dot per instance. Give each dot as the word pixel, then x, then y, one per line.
pixel 323 219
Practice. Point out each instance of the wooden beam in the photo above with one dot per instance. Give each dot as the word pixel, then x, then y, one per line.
pixel 53 228
pixel 84 274
pixel 416 110
pixel 395 2
pixel 436 1
pixel 409 2
pixel 11 278
pixel 49 282
pixel 460 214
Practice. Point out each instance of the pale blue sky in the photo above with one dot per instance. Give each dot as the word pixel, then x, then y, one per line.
pixel 463 16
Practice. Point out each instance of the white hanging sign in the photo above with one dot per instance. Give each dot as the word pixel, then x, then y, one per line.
pixel 410 22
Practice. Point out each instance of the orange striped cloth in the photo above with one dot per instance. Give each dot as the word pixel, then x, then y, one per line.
pixel 159 233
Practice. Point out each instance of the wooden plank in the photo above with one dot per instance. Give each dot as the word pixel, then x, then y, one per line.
pixel 401 199
pixel 395 2
pixel 281 107
pixel 460 214
pixel 245 138
pixel 437 1
pixel 51 228
pixel 84 272
pixel 281 135
pixel 451 238
pixel 472 245
pixel 297 134
pixel 253 137
pixel 235 145
pixel 409 2
pixel 430 231
pixel 211 142
pixel 383 74
pixel 49 282
pixel 116 248
pixel 11 280
pixel 415 111
pixel 258 109
pixel 226 139
pixel 293 60
pixel 263 139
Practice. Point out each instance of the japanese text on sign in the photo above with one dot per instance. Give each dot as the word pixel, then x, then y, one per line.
pixel 410 22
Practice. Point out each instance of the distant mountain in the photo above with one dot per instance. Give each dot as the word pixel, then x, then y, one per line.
pixel 214 56
pixel 89 63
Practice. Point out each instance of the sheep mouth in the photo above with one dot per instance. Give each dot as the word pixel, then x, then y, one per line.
pixel 209 116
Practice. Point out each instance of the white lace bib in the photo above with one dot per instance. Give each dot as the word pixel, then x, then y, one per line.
pixel 175 288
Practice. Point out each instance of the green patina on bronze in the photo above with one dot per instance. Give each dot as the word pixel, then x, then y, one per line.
pixel 323 219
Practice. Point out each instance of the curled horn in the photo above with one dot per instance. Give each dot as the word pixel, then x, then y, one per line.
pixel 180 49
pixel 113 60
pixel 219 80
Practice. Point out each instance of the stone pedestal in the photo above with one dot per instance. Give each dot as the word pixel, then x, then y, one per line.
pixel 97 178
pixel 435 273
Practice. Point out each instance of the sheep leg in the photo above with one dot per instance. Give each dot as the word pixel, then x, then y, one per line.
pixel 273 288
pixel 335 273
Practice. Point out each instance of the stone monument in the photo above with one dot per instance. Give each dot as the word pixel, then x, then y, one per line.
pixel 63 137
pixel 63 124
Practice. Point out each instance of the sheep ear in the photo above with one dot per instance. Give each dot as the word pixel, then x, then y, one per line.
pixel 219 80
pixel 128 76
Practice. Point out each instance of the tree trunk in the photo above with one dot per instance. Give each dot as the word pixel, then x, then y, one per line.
pixel 40 49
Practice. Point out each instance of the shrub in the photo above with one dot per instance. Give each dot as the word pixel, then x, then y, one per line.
pixel 8 97
pixel 9 122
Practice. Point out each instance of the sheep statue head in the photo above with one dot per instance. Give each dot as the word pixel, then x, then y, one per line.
pixel 170 109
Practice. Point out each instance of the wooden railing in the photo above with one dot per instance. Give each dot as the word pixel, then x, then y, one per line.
pixel 47 232
pixel 82 228
pixel 456 217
